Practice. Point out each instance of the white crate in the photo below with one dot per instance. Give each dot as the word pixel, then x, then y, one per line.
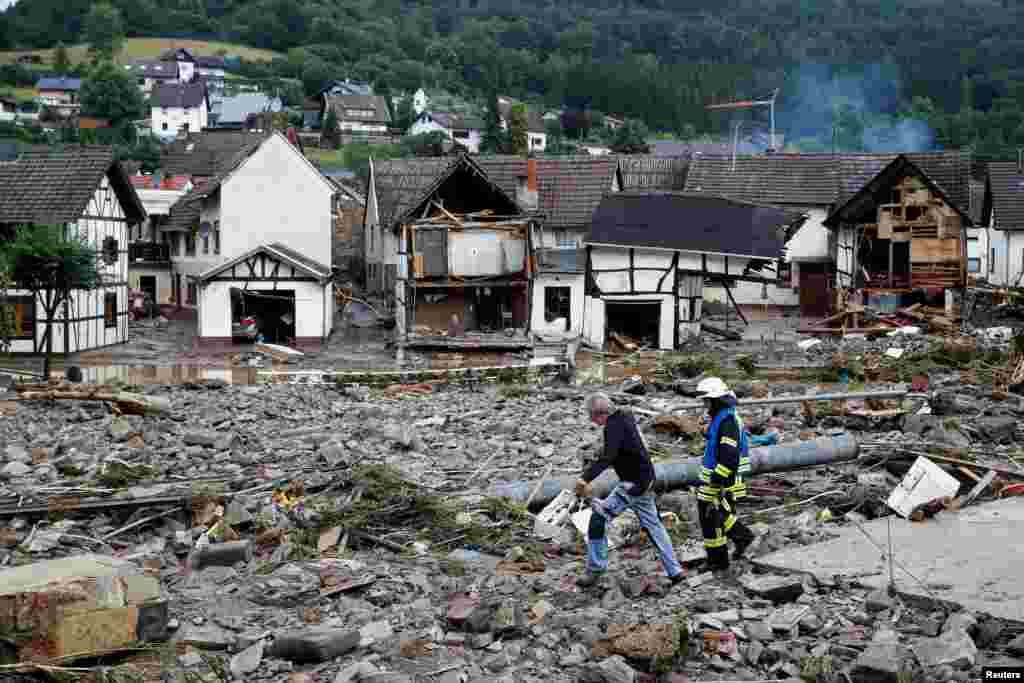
pixel 924 482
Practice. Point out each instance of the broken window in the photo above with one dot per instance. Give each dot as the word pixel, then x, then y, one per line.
pixel 557 304
pixel 914 212
pixel 110 250
pixel 110 309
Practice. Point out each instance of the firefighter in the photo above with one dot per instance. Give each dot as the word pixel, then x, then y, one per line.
pixel 726 461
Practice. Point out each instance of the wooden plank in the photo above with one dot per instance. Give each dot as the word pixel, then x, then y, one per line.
pixel 968 473
pixel 935 251
pixel 982 484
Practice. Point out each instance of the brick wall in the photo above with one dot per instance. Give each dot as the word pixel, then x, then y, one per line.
pixel 348 241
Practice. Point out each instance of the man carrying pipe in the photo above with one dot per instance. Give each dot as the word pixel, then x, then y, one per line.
pixel 626 452
pixel 726 461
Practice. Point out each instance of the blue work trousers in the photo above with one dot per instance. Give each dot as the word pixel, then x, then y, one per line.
pixel 645 508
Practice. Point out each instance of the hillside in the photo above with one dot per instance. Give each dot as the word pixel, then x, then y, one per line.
pixel 150 48
pixel 843 67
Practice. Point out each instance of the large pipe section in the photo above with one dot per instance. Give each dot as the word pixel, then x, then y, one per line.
pixel 887 393
pixel 675 475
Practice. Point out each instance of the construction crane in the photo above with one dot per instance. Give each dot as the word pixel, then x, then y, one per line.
pixel 748 104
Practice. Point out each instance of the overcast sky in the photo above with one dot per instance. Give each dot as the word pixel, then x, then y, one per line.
pixel 4 4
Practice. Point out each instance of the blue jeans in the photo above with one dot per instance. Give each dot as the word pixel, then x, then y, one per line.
pixel 611 507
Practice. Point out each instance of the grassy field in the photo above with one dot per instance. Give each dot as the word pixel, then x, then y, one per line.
pixel 18 93
pixel 149 48
pixel 329 159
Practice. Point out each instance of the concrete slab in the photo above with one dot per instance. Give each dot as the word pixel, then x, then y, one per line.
pixel 973 557
pixel 38 574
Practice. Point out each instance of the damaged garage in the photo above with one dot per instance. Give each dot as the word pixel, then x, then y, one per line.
pixel 271 294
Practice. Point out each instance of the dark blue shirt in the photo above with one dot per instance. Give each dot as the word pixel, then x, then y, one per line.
pixel 625 452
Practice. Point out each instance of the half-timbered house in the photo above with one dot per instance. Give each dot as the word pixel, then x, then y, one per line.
pixel 84 189
pixel 650 253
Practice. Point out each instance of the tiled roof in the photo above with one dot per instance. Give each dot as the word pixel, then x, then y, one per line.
pixel 54 185
pixel 774 179
pixel 1007 195
pixel 340 103
pixel 402 184
pixel 977 200
pixel 819 179
pixel 175 54
pixel 206 153
pixel 453 121
pixel 534 119
pixel 61 83
pixel 185 212
pixel 184 95
pixel 568 188
pixel 713 224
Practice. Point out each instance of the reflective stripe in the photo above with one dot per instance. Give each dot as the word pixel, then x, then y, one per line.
pixel 729 521
pixel 717 542
pixel 744 466
pixel 722 470
pixel 728 441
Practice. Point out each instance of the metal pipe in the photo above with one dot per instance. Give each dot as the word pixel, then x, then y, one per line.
pixel 888 393
pixel 675 475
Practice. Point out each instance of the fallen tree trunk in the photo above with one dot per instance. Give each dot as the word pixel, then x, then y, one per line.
pixel 684 473
pixel 725 334
pixel 126 402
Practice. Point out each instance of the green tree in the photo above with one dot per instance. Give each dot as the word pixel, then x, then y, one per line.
pixel 631 138
pixel 494 139
pixel 330 131
pixel 61 60
pixel 103 30
pixel 108 92
pixel 430 144
pixel 518 130
pixel 49 264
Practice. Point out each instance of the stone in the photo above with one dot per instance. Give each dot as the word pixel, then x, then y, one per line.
pixel 988 633
pixel 207 636
pixel 881 663
pixel 773 587
pixel 1016 646
pixel 997 429
pixel 314 645
pixel 236 514
pixel 960 622
pixel 879 600
pixel 354 673
pixel 247 661
pixel 14 470
pixel 374 632
pixel 919 424
pixel 201 438
pixel 758 630
pixel 120 429
pixel 956 649
pixel 611 670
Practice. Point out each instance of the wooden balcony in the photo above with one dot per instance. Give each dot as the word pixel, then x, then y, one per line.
pixel 153 254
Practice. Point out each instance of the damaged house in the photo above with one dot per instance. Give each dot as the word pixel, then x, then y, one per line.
pixel 569 189
pixel 455 248
pixel 819 257
pixel 903 229
pixel 649 254
pixel 258 253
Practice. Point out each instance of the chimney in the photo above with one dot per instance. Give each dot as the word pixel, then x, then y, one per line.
pixel 526 190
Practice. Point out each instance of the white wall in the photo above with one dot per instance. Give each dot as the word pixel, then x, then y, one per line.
pixel 754 293
pixel 277 196
pixel 537 141
pixel 176 117
pixel 538 323
pixel 361 127
pixel 846 250
pixel 310 307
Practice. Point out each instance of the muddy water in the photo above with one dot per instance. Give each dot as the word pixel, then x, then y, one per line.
pixel 174 374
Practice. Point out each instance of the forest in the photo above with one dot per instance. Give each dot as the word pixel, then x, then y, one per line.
pixel 851 74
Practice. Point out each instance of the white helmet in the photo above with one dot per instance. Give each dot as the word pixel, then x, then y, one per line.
pixel 713 387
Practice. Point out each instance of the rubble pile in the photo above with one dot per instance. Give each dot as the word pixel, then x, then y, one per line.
pixel 342 533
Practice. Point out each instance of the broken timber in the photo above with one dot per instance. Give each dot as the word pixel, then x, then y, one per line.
pixel 126 402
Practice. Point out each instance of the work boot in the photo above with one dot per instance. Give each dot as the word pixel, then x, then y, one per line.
pixel 678 578
pixel 589 579
pixel 742 548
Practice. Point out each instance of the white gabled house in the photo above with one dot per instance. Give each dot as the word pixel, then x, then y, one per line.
pixel 179 107
pixel 465 130
pixel 259 244
pixel 84 189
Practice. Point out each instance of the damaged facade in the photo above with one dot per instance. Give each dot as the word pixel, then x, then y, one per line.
pixel 456 249
pixel 650 253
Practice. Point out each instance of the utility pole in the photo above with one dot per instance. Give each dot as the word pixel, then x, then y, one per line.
pixel 749 104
